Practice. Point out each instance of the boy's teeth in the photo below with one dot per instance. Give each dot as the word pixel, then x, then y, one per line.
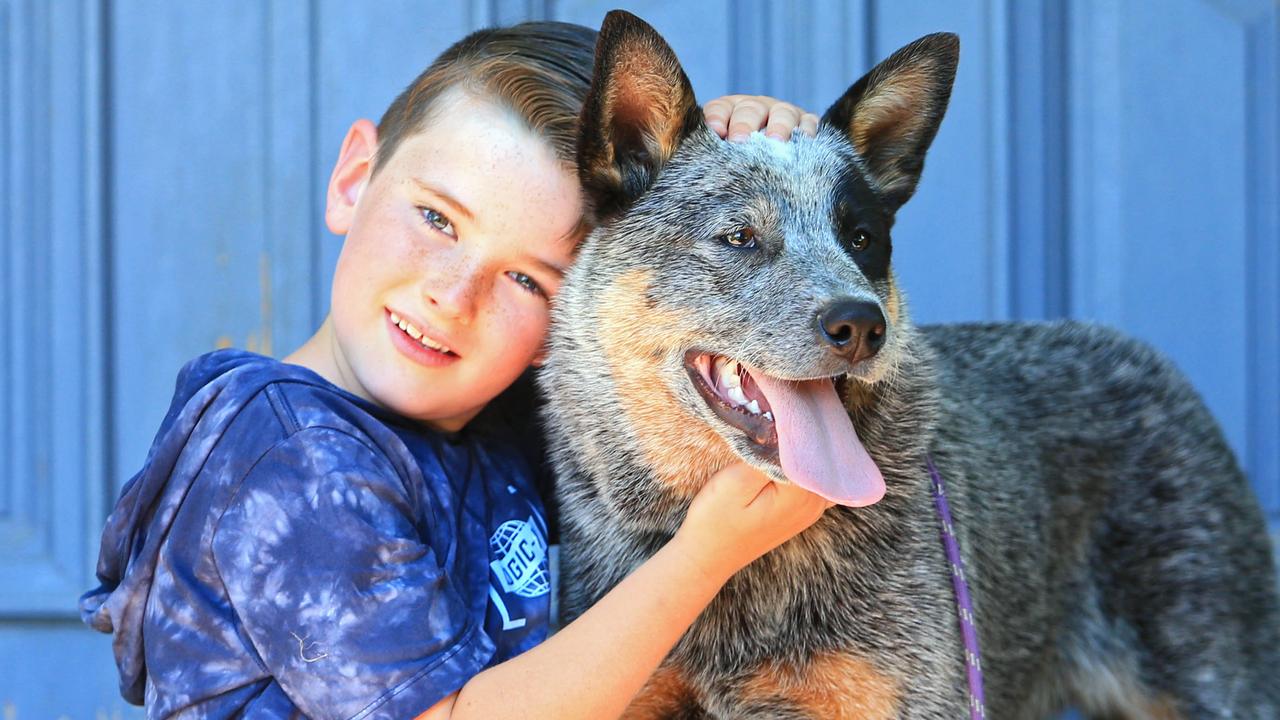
pixel 416 334
pixel 434 346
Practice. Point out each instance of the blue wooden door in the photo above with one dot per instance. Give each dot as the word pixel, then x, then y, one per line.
pixel 164 168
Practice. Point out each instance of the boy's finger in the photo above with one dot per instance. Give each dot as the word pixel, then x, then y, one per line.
pixel 801 496
pixel 783 118
pixel 765 492
pixel 717 113
pixel 746 482
pixel 809 124
pixel 748 116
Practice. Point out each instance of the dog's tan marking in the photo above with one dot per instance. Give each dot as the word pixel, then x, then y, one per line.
pixel 667 694
pixel 893 303
pixel 1114 690
pixel 888 122
pixel 644 95
pixel 644 92
pixel 682 449
pixel 1141 705
pixel 832 686
pixel 1162 708
pixel 893 102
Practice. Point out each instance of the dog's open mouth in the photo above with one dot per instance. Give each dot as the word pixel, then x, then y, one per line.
pixel 733 395
pixel 802 425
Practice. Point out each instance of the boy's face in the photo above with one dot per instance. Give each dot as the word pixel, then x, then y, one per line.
pixel 462 237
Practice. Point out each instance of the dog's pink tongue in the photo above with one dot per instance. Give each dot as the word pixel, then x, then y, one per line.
pixel 818 447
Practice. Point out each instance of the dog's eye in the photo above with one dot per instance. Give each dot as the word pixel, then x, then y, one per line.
pixel 741 238
pixel 861 240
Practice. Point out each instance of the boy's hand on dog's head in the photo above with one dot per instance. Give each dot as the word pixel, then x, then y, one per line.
pixel 741 514
pixel 736 116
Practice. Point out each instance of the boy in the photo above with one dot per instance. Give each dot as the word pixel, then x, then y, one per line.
pixel 332 535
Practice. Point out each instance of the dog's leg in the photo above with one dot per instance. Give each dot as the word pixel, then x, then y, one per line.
pixel 667 696
pixel 838 686
pixel 1186 625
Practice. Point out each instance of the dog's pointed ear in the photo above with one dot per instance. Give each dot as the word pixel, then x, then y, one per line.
pixel 640 107
pixel 892 114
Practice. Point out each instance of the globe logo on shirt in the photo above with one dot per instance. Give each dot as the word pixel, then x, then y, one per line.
pixel 521 553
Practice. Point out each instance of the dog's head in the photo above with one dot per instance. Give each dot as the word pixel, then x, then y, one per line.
pixel 728 284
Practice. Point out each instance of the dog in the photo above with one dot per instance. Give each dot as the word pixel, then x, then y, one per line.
pixel 1115 555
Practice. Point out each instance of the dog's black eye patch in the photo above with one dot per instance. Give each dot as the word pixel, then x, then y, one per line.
pixel 862 226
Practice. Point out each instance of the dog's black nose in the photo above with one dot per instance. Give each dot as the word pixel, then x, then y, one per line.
pixel 854 329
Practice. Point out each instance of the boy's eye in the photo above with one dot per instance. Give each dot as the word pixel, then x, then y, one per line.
pixel 436 220
pixel 527 283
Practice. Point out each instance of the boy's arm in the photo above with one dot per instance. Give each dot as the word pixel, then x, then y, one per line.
pixel 595 665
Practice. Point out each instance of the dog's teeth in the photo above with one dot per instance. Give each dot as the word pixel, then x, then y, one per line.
pixel 768 416
pixel 754 407
pixel 729 376
pixel 735 394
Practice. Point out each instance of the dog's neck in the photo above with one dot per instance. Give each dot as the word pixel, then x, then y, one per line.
pixel 896 417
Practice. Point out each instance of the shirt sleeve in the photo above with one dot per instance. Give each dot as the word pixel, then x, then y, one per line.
pixel 348 608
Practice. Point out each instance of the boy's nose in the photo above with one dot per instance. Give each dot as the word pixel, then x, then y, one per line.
pixel 453 293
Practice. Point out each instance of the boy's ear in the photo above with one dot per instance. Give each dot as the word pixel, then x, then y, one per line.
pixel 892 114
pixel 640 107
pixel 350 175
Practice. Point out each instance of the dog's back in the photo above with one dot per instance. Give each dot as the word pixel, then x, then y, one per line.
pixel 1129 551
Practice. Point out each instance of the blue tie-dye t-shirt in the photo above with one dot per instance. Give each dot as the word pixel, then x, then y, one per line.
pixel 289 549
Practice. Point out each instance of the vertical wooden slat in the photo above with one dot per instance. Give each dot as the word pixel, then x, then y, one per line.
pixel 996 134
pixel 72 389
pixel 1262 138
pixel 25 222
pixel 1095 191
pixel 52 311
pixel 92 408
pixel 8 103
pixel 288 292
pixel 1036 138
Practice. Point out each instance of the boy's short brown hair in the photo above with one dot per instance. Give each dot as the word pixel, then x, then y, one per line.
pixel 541 71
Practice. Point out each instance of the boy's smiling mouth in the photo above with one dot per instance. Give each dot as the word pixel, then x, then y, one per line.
pixel 415 344
pixel 413 332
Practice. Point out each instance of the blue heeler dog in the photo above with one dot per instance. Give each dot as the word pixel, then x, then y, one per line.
pixel 737 302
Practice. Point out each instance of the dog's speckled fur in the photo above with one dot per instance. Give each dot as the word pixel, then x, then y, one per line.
pixel 1115 553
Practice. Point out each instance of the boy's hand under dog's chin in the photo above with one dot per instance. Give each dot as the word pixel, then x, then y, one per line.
pixel 741 514
pixel 734 117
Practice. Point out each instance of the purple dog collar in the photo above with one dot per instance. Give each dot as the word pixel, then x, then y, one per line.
pixel 964 604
